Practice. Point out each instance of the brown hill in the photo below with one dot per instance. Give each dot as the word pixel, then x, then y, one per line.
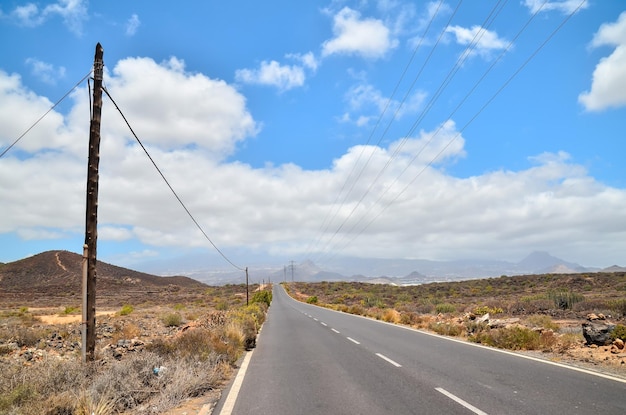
pixel 54 275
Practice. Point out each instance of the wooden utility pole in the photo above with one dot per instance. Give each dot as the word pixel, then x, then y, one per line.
pixel 91 222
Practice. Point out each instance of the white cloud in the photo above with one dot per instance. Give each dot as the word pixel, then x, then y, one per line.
pixel 369 38
pixel 192 109
pixel 114 233
pixel 308 60
pixel 73 12
pixel 20 108
pixel 565 6
pixel 283 77
pixel 366 103
pixel 132 25
pixel 46 72
pixel 483 42
pixel 608 87
pixel 189 122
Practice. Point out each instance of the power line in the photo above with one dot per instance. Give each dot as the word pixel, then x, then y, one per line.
pixel 170 186
pixel 327 222
pixel 444 84
pixel 487 103
pixel 6 150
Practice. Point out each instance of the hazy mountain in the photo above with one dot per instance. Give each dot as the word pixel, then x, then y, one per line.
pixel 614 268
pixel 214 271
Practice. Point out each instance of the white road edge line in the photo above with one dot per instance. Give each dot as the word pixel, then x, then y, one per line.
pixel 336 331
pixel 382 356
pixel 461 401
pixel 229 404
pixel 352 340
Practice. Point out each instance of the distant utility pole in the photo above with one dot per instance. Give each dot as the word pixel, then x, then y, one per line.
pixel 247 290
pixel 292 266
pixel 285 273
pixel 91 222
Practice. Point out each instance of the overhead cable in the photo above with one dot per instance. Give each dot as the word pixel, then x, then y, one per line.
pixel 6 150
pixel 487 103
pixel 170 186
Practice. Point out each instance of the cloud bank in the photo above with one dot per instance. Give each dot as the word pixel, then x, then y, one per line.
pixel 403 202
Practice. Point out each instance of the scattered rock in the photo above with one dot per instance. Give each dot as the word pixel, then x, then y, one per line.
pixel 597 333
pixel 619 343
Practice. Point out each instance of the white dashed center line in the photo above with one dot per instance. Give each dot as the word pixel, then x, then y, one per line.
pixel 323 324
pixel 382 356
pixel 352 340
pixel 461 401
pixel 336 331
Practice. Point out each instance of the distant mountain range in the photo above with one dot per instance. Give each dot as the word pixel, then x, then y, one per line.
pixel 400 271
pixel 60 271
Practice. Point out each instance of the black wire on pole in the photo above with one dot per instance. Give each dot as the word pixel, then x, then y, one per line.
pixel 6 150
pixel 170 186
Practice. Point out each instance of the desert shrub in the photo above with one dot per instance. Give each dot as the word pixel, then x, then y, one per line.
pixel 16 397
pixel 340 307
pixel 544 321
pixel 262 297
pixel 445 308
pixel 128 331
pixel 356 309
pixel 411 318
pixel 126 310
pixel 312 299
pixel 27 336
pixel 71 310
pixel 372 301
pixel 221 305
pixel 249 319
pixel 179 307
pixel 391 315
pixel 172 319
pixel 512 338
pixel 589 306
pixel 565 300
pixel 425 308
pixel 619 332
pixel 446 329
pixel 131 381
pixel 618 306
pixel 482 310
pixel 87 405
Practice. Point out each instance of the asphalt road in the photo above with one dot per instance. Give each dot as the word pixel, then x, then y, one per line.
pixel 310 360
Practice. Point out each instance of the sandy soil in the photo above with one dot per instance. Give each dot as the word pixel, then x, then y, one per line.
pixel 64 318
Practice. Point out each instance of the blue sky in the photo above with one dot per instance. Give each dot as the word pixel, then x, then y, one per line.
pixel 307 130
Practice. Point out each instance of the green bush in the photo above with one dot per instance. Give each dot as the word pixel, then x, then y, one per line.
pixel 71 310
pixel 312 299
pixel 126 310
pixel 262 297
pixel 619 332
pixel 445 308
pixel 511 338
pixel 565 300
pixel 482 310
